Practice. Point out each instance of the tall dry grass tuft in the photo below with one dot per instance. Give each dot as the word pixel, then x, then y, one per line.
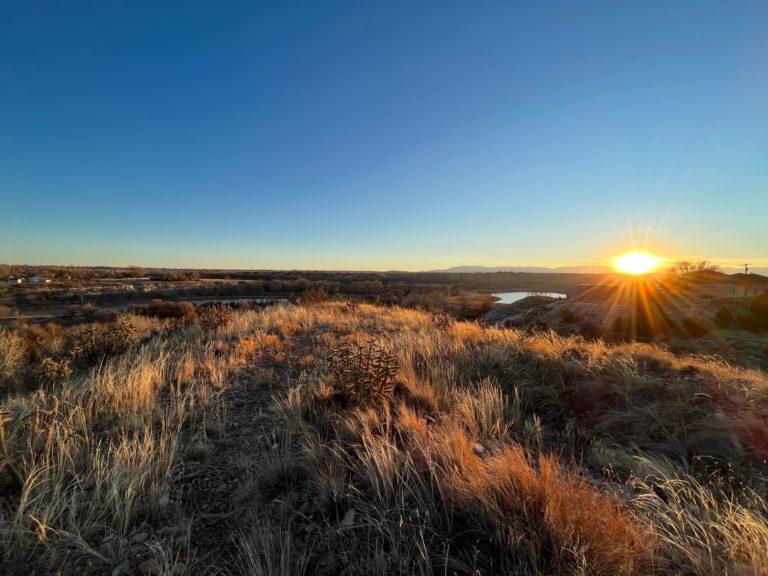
pixel 703 529
pixel 269 550
pixel 12 356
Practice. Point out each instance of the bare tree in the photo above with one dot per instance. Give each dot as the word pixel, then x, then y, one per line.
pixel 684 267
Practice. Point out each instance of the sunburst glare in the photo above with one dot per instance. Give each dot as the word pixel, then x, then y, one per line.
pixel 637 263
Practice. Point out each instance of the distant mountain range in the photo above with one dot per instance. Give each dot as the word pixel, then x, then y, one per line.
pixel 597 269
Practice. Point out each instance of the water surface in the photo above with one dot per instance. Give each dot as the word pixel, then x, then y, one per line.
pixel 510 297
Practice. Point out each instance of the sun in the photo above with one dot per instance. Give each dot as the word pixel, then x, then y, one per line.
pixel 637 263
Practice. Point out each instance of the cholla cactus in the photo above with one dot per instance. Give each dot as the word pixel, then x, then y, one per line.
pixel 443 321
pixel 52 371
pixel 213 317
pixel 122 334
pixel 364 374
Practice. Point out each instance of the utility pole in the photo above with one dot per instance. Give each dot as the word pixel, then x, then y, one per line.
pixel 746 278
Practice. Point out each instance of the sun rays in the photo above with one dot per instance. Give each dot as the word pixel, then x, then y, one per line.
pixel 637 263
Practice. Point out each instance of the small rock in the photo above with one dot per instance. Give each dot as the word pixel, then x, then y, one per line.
pixel 149 567
pixel 349 519
pixel 93 534
pixel 478 449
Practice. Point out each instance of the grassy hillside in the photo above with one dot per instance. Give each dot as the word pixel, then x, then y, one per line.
pixel 353 439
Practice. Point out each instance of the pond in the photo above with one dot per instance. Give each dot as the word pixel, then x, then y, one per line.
pixel 510 297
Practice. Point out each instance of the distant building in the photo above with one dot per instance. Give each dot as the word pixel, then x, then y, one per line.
pixel 37 279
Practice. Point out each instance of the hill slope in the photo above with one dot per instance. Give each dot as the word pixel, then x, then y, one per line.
pixel 355 439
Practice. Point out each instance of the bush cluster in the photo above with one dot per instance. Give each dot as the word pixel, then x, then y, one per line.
pixel 312 297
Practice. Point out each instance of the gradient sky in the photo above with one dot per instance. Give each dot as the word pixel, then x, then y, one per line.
pixel 382 135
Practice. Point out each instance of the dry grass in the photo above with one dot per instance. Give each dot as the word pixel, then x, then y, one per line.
pixel 12 355
pixel 493 452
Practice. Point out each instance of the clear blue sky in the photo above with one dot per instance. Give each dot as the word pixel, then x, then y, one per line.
pixel 381 135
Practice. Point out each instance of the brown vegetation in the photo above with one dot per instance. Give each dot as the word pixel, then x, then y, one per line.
pixel 335 438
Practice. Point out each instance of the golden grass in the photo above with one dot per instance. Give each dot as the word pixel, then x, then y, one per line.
pixel 499 452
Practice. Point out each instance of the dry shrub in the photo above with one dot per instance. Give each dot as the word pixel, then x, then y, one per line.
pixel 185 311
pixel 312 297
pixel 122 334
pixel 52 370
pixel 215 316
